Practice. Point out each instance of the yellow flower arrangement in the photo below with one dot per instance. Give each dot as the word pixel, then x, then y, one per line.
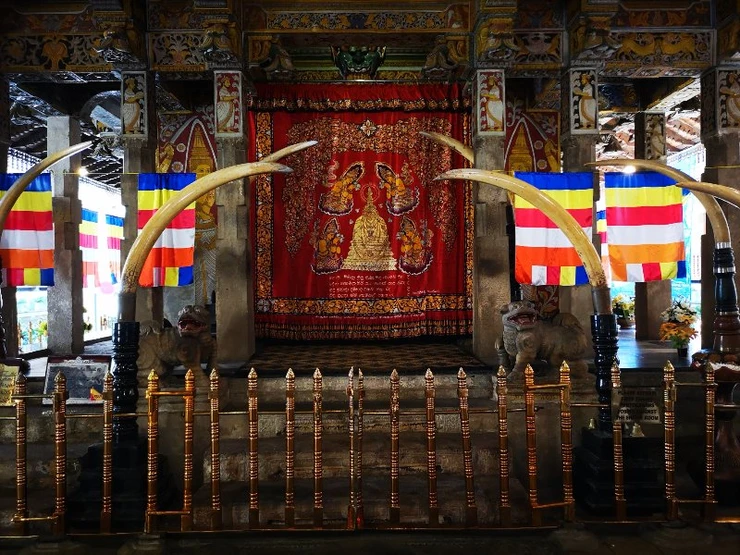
pixel 623 307
pixel 677 326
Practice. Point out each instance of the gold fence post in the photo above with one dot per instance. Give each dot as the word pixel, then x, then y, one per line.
pixel 471 511
pixel 107 499
pixel 710 393
pixel 21 489
pixel 669 399
pixel 289 448
pixel 214 394
pixel 620 502
pixel 186 519
pixel 504 502
pixel 60 452
pixel 318 463
pixel 566 443
pixel 254 504
pixel 153 451
pixel 359 502
pixel 531 444
pixel 351 425
pixel 395 509
pixel 431 425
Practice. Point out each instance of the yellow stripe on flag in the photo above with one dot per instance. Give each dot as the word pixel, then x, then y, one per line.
pixel 32 276
pixel 643 196
pixel 566 198
pixel 33 201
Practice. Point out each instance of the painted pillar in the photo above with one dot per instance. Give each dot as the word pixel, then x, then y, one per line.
pixel 234 272
pixel 65 298
pixel 491 265
pixel 651 297
pixel 580 131
pixel 720 133
pixel 139 135
pixel 9 316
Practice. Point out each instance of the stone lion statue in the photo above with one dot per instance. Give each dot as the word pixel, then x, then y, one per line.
pixel 527 339
pixel 188 344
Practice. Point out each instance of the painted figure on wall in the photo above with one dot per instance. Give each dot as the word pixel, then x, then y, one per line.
pixel 585 93
pixel 132 106
pixel 730 94
pixel 491 102
pixel 201 162
pixel 228 103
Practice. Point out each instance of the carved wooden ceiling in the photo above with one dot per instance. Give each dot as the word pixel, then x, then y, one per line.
pixel 66 57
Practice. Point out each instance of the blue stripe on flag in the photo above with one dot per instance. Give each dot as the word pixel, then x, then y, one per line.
pixel 558 181
pixel 165 181
pixel 618 180
pixel 89 215
pixel 681 269
pixel 581 275
pixel 601 215
pixel 47 276
pixel 42 183
pixel 113 220
pixel 185 276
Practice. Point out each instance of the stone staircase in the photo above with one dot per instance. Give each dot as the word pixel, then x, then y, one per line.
pixel 376 453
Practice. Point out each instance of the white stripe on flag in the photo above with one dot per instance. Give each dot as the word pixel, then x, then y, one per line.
pixel 544 237
pixel 89 255
pixel 635 272
pixel 539 275
pixel 176 239
pixel 23 239
pixel 645 234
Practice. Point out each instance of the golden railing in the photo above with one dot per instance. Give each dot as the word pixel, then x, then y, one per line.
pixel 355 410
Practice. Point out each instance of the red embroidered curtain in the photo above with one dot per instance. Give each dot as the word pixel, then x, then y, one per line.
pixel 360 242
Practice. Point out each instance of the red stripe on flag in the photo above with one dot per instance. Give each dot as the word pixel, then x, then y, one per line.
pixel 88 241
pixel 184 220
pixel 651 272
pixel 114 243
pixel 532 217
pixel 553 274
pixel 645 215
pixel 29 221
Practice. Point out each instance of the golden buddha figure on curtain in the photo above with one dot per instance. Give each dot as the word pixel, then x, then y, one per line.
pixel 370 248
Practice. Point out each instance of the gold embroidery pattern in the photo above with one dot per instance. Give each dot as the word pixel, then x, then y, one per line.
pixel 348 104
pixel 338 200
pixel 370 250
pixel 416 252
pixel 401 198
pixel 412 322
pixel 327 252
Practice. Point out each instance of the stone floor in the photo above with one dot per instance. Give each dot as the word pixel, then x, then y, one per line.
pixel 606 540
pixel 415 355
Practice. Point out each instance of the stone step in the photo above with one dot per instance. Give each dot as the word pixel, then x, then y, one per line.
pixel 376 450
pixel 40 423
pixel 40 468
pixel 413 501
pixel 271 421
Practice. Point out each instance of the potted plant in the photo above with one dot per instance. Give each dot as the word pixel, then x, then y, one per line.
pixel 678 325
pixel 624 309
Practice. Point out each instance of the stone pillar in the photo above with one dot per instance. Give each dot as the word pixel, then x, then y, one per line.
pixel 651 297
pixel 580 126
pixel 65 297
pixel 720 133
pixel 9 317
pixel 491 264
pixel 234 279
pixel 139 135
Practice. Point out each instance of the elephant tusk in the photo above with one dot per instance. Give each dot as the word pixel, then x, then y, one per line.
pixel 454 144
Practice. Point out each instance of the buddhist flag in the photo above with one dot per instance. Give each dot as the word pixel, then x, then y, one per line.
pixel 170 262
pixel 644 215
pixel 544 255
pixel 27 245
pixel 89 248
pixel 114 236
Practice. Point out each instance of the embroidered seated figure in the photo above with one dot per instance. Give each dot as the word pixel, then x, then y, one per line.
pixel 370 249
pixel 416 253
pixel 326 245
